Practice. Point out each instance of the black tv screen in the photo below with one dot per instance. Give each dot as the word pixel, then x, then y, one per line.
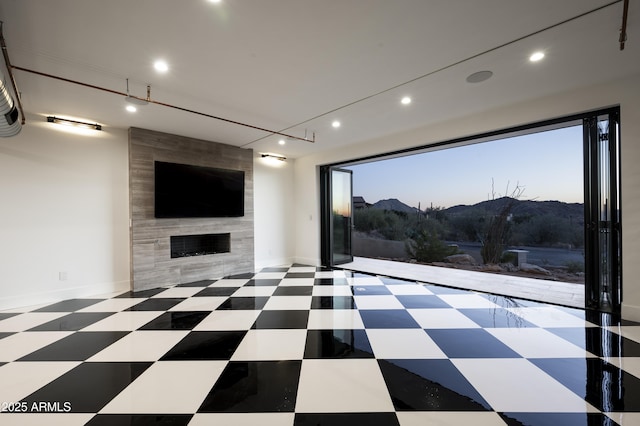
pixel 183 190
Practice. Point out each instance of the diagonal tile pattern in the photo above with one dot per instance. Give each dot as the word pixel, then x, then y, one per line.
pixel 298 345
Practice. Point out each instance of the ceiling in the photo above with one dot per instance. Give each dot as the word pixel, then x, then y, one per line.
pixel 297 65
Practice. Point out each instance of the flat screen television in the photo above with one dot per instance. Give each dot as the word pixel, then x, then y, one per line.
pixel 183 191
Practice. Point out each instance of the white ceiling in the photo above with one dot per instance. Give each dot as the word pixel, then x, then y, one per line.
pixel 296 65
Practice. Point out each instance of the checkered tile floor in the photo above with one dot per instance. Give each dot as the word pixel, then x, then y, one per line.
pixel 310 346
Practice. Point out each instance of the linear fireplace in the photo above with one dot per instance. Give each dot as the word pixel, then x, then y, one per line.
pixel 200 245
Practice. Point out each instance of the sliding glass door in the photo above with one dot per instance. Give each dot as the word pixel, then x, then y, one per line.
pixel 603 286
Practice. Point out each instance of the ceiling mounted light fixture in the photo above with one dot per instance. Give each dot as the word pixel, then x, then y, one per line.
pixel 406 100
pixel 282 142
pixel 536 56
pixel 161 66
pixel 131 108
pixel 277 157
pixel 336 124
pixel 74 123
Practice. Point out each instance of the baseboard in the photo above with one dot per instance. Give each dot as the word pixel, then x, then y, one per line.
pixel 283 261
pixel 630 312
pixel 39 298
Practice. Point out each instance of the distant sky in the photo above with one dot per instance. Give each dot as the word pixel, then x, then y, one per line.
pixel 547 164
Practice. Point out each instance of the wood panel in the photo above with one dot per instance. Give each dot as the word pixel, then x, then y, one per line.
pixel 151 263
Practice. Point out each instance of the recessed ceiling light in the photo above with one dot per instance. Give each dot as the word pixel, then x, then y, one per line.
pixel 537 56
pixel 479 77
pixel 131 108
pixel 214 1
pixel 282 142
pixel 161 66
pixel 335 124
pixel 406 100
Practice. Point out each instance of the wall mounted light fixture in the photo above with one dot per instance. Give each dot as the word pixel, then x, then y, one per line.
pixel 277 157
pixel 75 123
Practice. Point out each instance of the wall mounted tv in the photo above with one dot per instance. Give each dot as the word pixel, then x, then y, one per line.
pixel 183 191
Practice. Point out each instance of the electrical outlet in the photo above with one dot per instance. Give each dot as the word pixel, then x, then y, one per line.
pixel 62 276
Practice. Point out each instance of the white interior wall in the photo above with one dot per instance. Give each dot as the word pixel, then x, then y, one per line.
pixel 625 93
pixel 64 210
pixel 273 212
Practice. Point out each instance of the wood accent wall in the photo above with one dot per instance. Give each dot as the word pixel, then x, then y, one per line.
pixel 151 263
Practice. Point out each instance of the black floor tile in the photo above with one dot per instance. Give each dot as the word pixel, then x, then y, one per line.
pixel 300 275
pixel 246 275
pixel 496 318
pixel 71 305
pixel 260 386
pixel 243 303
pixel 3 335
pixel 422 302
pixel 429 385
pixel 553 419
pixel 396 281
pixel 76 347
pixel 266 282
pixel 345 419
pixel 333 302
pixel 370 290
pixel 143 293
pixel 470 343
pixel 89 386
pixel 293 291
pixel 176 321
pixel 330 281
pixel 216 292
pixel 387 318
pixel 601 384
pixel 4 316
pixel 205 345
pixel 201 283
pixel 140 420
pixel 337 344
pixel 160 304
pixel 72 322
pixel 599 341
pixel 281 320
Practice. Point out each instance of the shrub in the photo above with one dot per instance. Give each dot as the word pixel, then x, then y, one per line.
pixel 426 247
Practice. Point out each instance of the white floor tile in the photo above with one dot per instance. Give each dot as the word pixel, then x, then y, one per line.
pixel 21 344
pixel 464 301
pixel 21 379
pixel 329 319
pixel 297 269
pixel 29 320
pixel 403 344
pixel 271 345
pixel 377 302
pixel 625 419
pixel 409 289
pixel 550 317
pixel 113 305
pixel 451 418
pixel 170 387
pixel 441 318
pixel 330 274
pixel 269 275
pixel 628 364
pixel 330 290
pixel 345 385
pixel 199 304
pixel 49 419
pixel 147 345
pixel 356 281
pixel 296 282
pixel 516 385
pixel 254 291
pixel 288 303
pixel 177 292
pixel 123 321
pixel 242 419
pixel 537 343
pixel 227 320
pixel 629 332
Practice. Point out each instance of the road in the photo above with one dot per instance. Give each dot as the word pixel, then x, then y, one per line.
pixel 542 256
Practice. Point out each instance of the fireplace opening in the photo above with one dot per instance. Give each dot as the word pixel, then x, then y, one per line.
pixel 200 245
